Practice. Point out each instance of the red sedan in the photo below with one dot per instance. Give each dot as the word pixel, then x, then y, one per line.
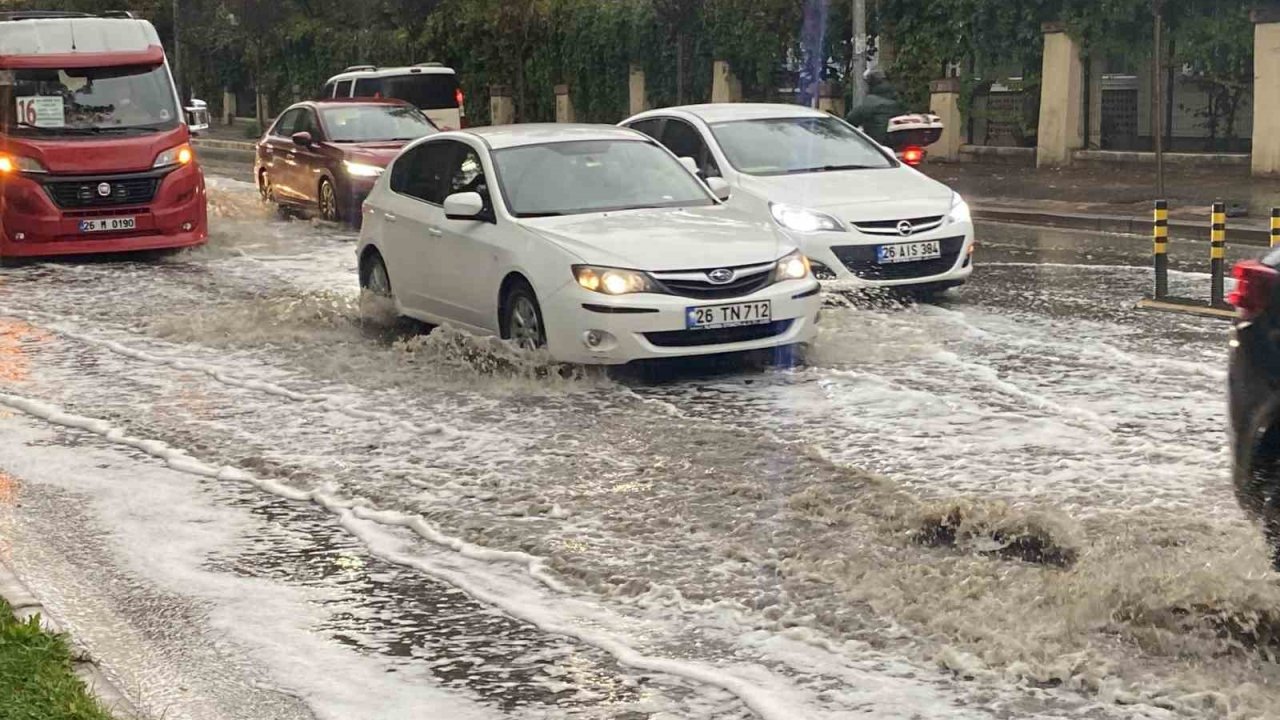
pixel 324 156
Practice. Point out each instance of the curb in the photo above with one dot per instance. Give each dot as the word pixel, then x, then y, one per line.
pixel 1186 307
pixel 1122 224
pixel 25 606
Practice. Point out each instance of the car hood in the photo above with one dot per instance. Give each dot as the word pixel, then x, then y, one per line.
pixel 379 154
pixel 664 239
pixel 857 194
pixel 108 154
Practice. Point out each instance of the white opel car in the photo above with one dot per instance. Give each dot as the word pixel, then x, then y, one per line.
pixel 593 241
pixel 863 218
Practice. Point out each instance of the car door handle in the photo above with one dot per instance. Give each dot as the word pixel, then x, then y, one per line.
pixel 434 231
pixel 390 217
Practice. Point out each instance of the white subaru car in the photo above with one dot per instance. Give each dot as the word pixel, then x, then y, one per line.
pixel 594 242
pixel 862 217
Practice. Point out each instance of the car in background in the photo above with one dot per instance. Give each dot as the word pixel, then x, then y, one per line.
pixel 591 241
pixel 325 156
pixel 430 87
pixel 863 218
pixel 1254 392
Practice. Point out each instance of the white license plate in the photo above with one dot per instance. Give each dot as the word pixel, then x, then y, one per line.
pixel 908 252
pixel 722 316
pixel 114 224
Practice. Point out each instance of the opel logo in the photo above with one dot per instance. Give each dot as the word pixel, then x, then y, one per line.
pixel 104 189
pixel 721 276
pixel 905 228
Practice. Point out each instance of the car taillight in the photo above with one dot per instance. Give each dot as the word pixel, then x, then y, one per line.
pixel 1255 283
pixel 457 95
pixel 913 155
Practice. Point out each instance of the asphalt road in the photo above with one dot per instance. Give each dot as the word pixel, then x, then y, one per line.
pixel 249 499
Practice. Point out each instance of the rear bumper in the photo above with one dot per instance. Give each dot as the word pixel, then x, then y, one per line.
pixel 32 225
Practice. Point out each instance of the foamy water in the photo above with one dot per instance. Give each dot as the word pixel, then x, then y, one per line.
pixel 712 547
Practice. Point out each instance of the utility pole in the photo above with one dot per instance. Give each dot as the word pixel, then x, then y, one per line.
pixel 177 57
pixel 1157 81
pixel 858 68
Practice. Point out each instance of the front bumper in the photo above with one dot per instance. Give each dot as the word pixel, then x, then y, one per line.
pixel 851 258
pixel 652 326
pixel 32 225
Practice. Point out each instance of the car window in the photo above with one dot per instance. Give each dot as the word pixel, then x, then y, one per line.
pixel 307 123
pixel 787 146
pixel 375 122
pixel 420 171
pixel 682 139
pixel 428 91
pixel 327 91
pixel 343 89
pixel 285 126
pixel 587 176
pixel 649 127
pixel 466 174
pixel 368 87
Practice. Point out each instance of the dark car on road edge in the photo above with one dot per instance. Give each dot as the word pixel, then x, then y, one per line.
pixel 1255 393
pixel 324 156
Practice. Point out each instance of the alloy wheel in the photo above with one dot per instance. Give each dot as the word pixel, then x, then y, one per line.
pixel 377 282
pixel 525 326
pixel 328 202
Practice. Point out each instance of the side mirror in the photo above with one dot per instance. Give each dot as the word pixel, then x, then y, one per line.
pixel 691 165
pixel 719 187
pixel 302 138
pixel 464 206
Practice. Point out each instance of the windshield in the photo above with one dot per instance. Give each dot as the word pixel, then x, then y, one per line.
pixel 74 100
pixel 788 146
pixel 373 123
pixel 593 176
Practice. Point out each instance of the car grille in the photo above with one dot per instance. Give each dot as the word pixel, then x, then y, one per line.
pixel 84 193
pixel 695 283
pixel 890 227
pixel 718 336
pixel 861 261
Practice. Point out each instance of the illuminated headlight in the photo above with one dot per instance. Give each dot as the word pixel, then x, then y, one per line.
pixel 792 267
pixel 959 210
pixel 180 155
pixel 355 169
pixel 802 220
pixel 612 281
pixel 10 163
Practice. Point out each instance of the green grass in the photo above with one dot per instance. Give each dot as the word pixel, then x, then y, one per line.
pixel 36 681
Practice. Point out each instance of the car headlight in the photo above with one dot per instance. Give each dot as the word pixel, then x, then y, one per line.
pixel 355 169
pixel 959 210
pixel 11 163
pixel 612 281
pixel 180 155
pixel 792 267
pixel 802 220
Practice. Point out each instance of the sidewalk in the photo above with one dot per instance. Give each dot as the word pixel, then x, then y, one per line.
pixel 1114 199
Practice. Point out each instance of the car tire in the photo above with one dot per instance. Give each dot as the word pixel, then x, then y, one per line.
pixel 327 199
pixel 266 190
pixel 373 275
pixel 522 322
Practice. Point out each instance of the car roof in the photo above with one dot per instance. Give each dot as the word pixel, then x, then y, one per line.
pixel 423 69
pixel 340 102
pixel 505 136
pixel 711 113
pixel 77 35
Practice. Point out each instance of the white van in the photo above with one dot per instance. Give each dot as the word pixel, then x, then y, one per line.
pixel 432 87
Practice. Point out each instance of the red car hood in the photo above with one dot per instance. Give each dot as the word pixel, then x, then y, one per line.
pixel 375 153
pixel 97 155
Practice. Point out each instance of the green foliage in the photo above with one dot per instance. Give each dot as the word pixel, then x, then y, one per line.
pixel 36 678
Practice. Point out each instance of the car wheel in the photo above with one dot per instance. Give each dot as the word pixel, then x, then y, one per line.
pixel 374 277
pixel 265 188
pixel 522 318
pixel 328 202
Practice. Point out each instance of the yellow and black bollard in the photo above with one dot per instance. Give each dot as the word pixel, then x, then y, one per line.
pixel 1160 233
pixel 1275 227
pixel 1217 254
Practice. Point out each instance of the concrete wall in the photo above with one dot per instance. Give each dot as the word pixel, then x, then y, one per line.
pixel 1266 106
pixel 1061 122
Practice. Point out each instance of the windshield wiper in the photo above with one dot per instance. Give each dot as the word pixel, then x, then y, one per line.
pixel 830 168
pixel 542 214
pixel 41 128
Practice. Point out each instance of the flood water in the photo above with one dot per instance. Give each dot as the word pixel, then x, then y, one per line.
pixel 250 497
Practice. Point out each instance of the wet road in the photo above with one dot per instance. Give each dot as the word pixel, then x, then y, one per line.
pixel 249 499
